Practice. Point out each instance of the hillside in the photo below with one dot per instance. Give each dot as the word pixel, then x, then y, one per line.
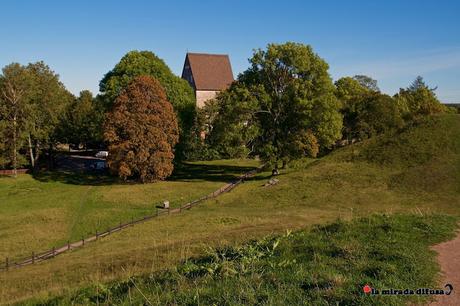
pixel 415 171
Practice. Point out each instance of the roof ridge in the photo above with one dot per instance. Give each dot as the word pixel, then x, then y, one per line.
pixel 213 54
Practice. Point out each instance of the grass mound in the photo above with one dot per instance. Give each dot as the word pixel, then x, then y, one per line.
pixel 326 265
pixel 424 156
pixel 433 138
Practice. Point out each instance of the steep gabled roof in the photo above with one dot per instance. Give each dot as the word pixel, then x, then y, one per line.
pixel 209 71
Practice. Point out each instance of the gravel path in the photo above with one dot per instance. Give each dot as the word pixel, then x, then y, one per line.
pixel 449 260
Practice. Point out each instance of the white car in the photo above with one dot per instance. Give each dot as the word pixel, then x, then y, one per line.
pixel 102 154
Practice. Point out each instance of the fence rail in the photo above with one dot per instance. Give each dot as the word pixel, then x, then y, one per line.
pixel 11 172
pixel 38 257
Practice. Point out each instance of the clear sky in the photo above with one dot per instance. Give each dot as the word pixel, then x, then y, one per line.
pixel 391 41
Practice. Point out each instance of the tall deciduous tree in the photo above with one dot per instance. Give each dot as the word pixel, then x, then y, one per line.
pixel 141 130
pixel 351 95
pixel 366 112
pixel 82 124
pixel 289 100
pixel 367 82
pixel 48 100
pixel 419 100
pixel 136 63
pixel 14 111
pixel 33 102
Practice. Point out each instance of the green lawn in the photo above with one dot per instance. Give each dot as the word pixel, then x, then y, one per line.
pixel 416 171
pixel 37 213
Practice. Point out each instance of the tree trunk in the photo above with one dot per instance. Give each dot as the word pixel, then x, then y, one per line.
pixel 284 164
pixel 37 156
pixel 50 158
pixel 275 170
pixel 31 153
pixel 15 147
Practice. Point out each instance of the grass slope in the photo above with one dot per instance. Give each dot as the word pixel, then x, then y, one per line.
pixel 378 175
pixel 325 266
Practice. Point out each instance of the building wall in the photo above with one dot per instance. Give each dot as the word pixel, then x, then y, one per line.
pixel 204 95
pixel 187 73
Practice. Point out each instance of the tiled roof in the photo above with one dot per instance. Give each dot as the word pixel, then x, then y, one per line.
pixel 210 71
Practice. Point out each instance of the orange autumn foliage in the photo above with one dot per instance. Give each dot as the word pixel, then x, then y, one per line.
pixel 141 131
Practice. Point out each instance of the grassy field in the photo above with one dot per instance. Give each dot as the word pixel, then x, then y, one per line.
pixel 37 213
pixel 328 265
pixel 417 171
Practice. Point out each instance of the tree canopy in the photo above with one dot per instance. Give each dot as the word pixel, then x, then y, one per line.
pixel 141 130
pixel 82 123
pixel 283 107
pixel 367 82
pixel 33 103
pixel 419 100
pixel 137 63
pixel 366 112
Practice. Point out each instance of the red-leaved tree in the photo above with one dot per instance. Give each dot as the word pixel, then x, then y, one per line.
pixel 141 130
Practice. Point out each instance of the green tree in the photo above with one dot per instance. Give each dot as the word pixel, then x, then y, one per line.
pixel 136 63
pixel 48 100
pixel 352 95
pixel 366 112
pixel 418 100
pixel 14 112
pixel 379 115
pixel 141 131
pixel 283 107
pixel 367 82
pixel 33 102
pixel 82 124
pixel 232 124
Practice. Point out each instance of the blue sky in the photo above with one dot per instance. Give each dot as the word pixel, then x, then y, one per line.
pixel 391 41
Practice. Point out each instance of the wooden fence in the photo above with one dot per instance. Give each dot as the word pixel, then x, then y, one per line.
pixel 11 172
pixel 38 257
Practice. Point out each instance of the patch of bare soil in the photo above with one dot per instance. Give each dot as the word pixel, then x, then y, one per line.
pixel 449 260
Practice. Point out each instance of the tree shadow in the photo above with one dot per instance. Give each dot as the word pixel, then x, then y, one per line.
pixel 216 173
pixel 77 178
pixel 184 172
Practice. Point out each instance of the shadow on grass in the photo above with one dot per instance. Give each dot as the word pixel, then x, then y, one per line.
pixel 77 178
pixel 215 173
pixel 182 173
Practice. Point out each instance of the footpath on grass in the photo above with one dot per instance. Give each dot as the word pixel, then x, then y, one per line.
pixel 449 260
pixel 38 257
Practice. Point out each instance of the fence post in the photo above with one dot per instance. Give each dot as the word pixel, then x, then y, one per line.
pixel 68 245
pixel 120 225
pixel 132 221
pixel 33 257
pixel 82 241
pixel 54 251
pixel 97 235
pixel 6 264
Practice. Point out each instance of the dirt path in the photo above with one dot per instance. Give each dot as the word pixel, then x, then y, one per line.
pixel 449 259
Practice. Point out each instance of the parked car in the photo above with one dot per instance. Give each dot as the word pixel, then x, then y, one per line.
pixel 102 154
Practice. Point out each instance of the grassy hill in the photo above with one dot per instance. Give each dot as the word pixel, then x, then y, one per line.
pixel 328 265
pixel 415 171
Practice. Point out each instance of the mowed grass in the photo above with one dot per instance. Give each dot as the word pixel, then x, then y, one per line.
pixel 37 213
pixel 328 265
pixel 351 182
